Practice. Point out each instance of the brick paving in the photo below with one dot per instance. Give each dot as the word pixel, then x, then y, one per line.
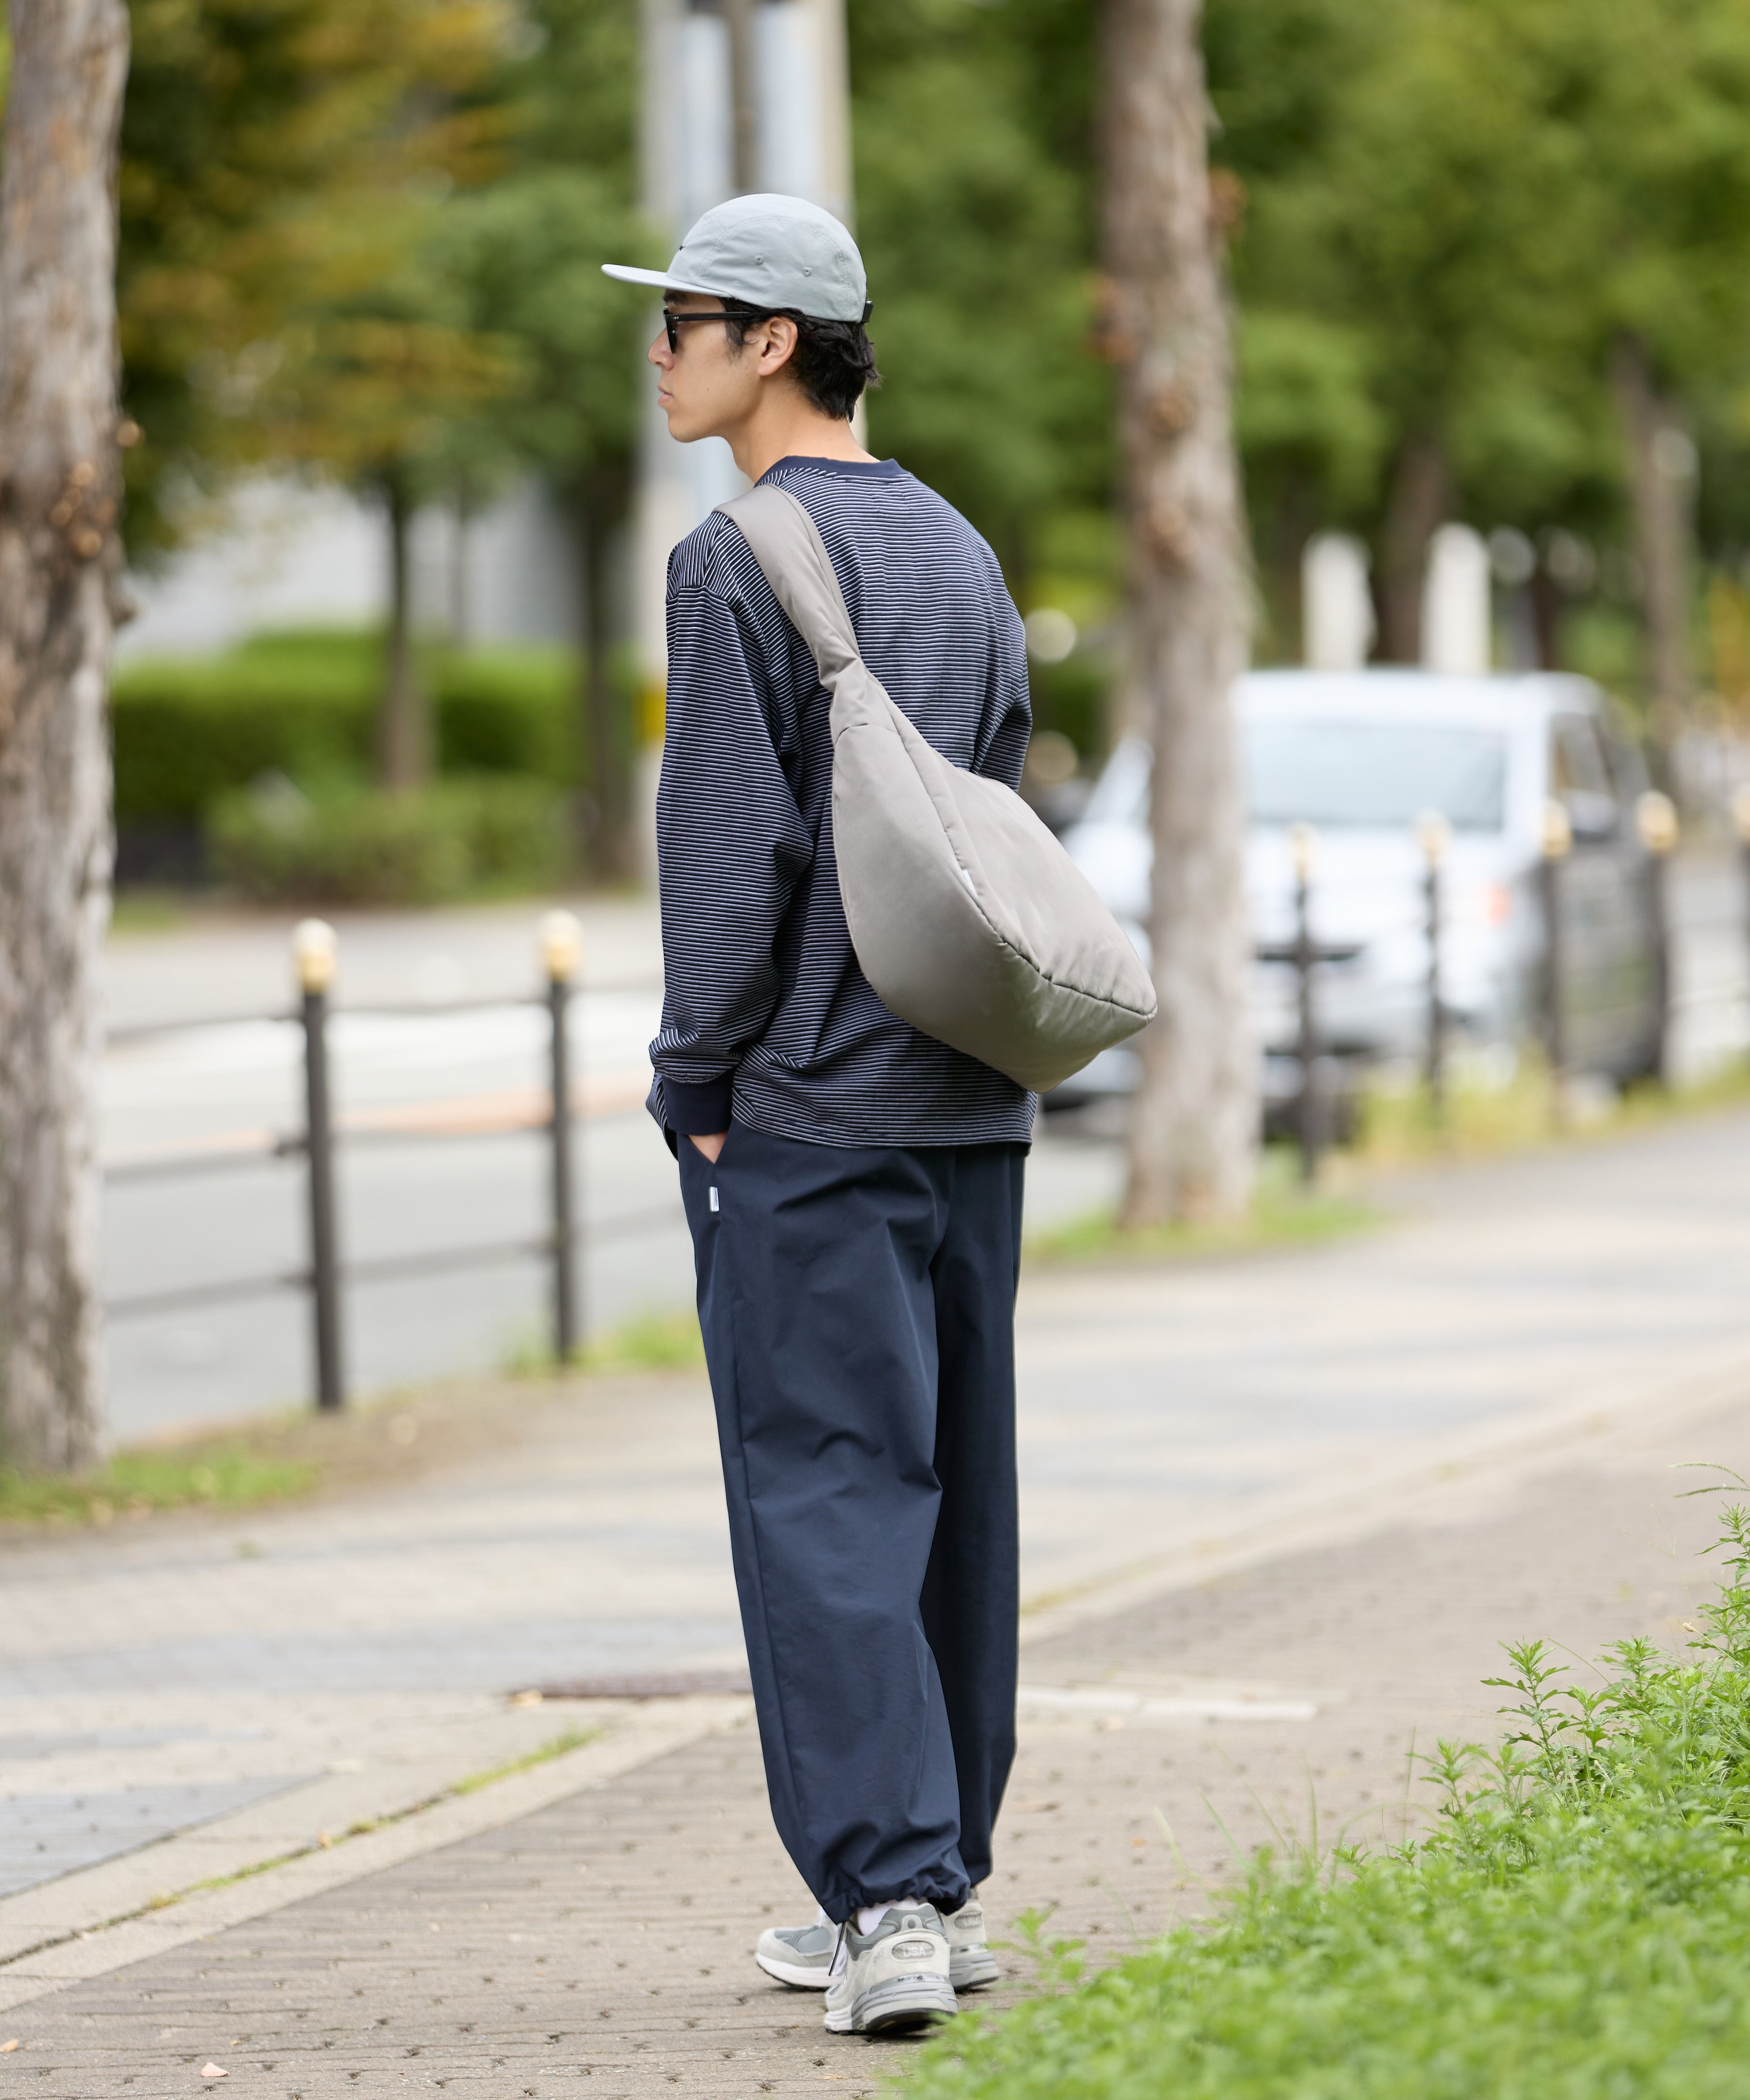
pixel 601 1944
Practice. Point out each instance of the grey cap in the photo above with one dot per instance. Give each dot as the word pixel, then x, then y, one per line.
pixel 767 251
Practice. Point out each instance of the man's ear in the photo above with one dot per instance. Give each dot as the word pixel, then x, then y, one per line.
pixel 781 338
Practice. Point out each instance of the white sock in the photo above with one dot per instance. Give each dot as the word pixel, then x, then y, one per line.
pixel 871 1915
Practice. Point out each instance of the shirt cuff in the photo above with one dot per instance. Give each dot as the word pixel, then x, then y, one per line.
pixel 700 1111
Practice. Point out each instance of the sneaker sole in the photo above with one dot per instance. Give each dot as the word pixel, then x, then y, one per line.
pixel 798 1977
pixel 892 2007
pixel 970 1970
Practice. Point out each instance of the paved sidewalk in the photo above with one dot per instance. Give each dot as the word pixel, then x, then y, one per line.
pixel 237 1689
pixel 601 1943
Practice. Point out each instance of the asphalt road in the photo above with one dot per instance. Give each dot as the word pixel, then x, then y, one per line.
pixel 237 1082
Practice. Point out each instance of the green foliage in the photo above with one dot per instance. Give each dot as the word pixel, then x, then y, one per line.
pixel 1454 210
pixel 1577 1925
pixel 189 731
pixel 525 256
pixel 974 215
pixel 1070 697
pixel 452 839
pixel 277 156
pixel 525 252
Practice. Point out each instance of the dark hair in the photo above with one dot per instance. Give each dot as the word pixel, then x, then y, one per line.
pixel 834 361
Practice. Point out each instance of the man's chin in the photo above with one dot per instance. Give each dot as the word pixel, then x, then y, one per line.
pixel 684 429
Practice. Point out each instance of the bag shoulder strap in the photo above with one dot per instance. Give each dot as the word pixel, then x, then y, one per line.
pixel 786 542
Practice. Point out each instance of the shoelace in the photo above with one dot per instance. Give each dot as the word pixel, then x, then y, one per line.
pixel 838 1950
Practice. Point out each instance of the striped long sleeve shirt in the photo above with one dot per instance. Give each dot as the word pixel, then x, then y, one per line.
pixel 767 1018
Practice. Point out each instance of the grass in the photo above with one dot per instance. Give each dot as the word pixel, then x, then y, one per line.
pixel 1284 1212
pixel 1577 1927
pixel 147 911
pixel 226 1476
pixel 1399 1126
pixel 277 1458
pixel 649 1341
pixel 558 1746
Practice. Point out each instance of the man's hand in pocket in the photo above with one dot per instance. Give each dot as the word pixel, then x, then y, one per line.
pixel 710 1146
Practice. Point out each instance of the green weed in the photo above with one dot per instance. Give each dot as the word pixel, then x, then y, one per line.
pixel 557 1746
pixel 1575 1927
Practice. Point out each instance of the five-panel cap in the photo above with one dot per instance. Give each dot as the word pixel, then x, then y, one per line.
pixel 768 251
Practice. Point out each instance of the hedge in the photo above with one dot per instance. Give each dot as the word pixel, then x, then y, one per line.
pixel 190 731
pixel 465 837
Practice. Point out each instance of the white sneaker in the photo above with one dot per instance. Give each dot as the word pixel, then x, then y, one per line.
pixel 896 1978
pixel 801 1955
pixel 970 1964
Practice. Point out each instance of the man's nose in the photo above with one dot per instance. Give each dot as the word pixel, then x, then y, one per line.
pixel 660 354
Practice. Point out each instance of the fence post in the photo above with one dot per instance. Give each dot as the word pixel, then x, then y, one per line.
pixel 1557 838
pixel 1434 835
pixel 1302 843
pixel 1655 821
pixel 314 951
pixel 562 952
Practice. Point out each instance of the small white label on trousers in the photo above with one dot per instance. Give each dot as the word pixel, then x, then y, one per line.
pixel 713 1199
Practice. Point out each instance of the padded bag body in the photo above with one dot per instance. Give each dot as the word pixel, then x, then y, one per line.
pixel 968 917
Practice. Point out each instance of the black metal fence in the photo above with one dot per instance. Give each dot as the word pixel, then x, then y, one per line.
pixel 327 1278
pixel 1656 826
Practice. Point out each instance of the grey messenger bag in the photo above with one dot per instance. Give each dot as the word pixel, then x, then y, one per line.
pixel 966 916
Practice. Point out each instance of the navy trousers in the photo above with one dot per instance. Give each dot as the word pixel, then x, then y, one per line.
pixel 857 1308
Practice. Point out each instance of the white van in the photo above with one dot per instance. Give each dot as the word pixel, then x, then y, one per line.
pixel 1359 756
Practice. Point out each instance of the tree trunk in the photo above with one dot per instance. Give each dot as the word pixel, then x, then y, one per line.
pixel 1195 1124
pixel 403 728
pixel 460 606
pixel 1662 487
pixel 601 496
pixel 1546 616
pixel 1413 513
pixel 59 489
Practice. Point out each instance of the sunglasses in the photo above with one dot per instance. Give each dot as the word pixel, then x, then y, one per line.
pixel 673 323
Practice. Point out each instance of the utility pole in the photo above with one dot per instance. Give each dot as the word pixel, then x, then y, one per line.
pixel 738 96
pixel 744 96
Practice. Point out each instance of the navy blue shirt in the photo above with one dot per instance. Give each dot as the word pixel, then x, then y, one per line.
pixel 767 1019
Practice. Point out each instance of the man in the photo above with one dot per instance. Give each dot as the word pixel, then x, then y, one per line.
pixel 854 1187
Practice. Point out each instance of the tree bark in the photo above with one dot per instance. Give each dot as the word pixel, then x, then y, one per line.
pixel 59 562
pixel 1662 486
pixel 1194 1127
pixel 601 496
pixel 403 727
pixel 1413 512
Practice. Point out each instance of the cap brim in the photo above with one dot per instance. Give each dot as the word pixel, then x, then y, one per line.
pixel 660 279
